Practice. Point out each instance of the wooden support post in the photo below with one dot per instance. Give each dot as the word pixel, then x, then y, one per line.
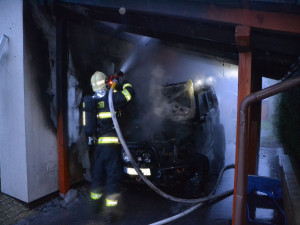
pixel 62 101
pixel 242 35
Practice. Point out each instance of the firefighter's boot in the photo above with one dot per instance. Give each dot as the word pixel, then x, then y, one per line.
pixel 95 203
pixel 112 211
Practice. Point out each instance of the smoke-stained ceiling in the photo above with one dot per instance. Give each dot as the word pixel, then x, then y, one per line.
pixel 195 25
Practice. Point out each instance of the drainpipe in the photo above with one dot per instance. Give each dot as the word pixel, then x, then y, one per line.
pixel 241 187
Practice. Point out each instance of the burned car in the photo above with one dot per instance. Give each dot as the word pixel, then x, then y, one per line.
pixel 191 143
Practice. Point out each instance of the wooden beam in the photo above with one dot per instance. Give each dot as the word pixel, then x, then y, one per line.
pixel 244 89
pixel 282 22
pixel 201 12
pixel 61 95
pixel 242 38
pixel 197 11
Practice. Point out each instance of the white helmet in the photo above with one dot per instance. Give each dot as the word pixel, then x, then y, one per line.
pixel 98 81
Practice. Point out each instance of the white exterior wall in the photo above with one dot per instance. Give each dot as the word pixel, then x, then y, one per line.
pixel 12 115
pixel 41 146
pixel 28 148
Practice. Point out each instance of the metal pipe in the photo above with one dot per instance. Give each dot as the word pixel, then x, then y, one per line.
pixel 241 181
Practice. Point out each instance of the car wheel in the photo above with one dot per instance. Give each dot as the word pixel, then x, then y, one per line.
pixel 195 186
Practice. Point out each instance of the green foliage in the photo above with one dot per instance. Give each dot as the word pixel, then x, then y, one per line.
pixel 287 122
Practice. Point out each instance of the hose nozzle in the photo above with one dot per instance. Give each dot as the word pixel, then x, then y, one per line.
pixel 114 84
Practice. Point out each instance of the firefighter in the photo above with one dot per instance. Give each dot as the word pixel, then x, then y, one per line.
pixel 99 128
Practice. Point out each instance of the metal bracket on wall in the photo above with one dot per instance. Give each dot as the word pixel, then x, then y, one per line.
pixel 3 44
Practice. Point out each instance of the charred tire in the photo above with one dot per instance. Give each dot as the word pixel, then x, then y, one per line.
pixel 195 186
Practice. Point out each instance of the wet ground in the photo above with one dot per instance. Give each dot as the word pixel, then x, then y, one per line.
pixel 143 206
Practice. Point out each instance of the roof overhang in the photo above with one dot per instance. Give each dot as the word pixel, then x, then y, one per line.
pixel 202 27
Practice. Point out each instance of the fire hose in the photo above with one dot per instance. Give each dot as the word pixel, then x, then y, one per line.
pixel 200 201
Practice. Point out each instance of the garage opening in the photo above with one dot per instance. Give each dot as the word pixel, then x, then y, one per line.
pixel 150 65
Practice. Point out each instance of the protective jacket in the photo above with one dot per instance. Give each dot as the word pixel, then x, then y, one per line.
pixel 97 119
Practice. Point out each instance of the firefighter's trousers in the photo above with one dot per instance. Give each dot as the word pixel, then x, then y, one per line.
pixel 107 171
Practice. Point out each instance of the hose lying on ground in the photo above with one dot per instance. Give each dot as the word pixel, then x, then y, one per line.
pixel 193 208
pixel 146 180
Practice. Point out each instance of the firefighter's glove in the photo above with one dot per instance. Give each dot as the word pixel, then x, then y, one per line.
pixel 124 82
pixel 121 77
pixel 91 140
pixel 120 74
pixel 121 80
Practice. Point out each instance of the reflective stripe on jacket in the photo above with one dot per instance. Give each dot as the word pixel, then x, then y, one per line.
pixel 108 140
pixel 104 115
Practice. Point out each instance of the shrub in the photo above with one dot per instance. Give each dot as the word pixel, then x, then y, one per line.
pixel 287 122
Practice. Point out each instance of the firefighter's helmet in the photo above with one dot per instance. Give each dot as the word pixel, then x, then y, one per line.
pixel 98 81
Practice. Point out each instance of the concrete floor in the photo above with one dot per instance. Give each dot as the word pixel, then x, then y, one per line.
pixel 143 206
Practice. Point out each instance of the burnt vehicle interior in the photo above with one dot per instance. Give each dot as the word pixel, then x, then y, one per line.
pixel 185 150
